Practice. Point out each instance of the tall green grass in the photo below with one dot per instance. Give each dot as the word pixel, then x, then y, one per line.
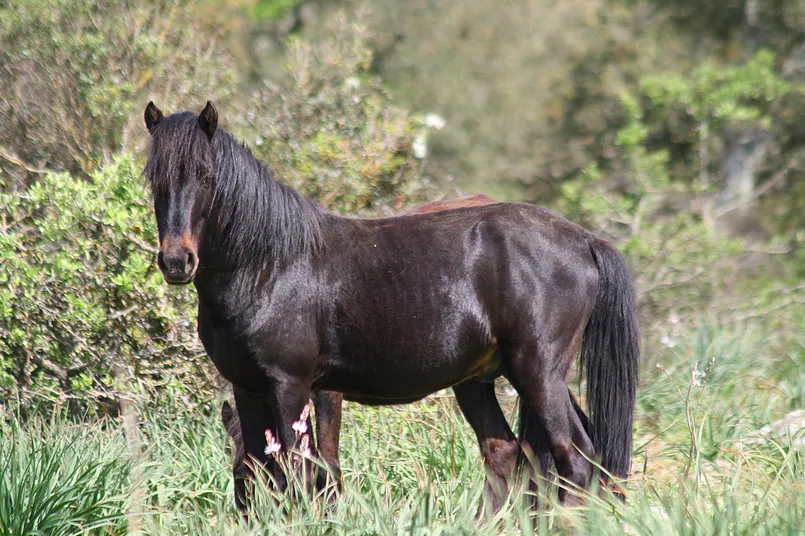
pixel 699 466
pixel 58 478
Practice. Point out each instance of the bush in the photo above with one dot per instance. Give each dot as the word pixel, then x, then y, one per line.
pixel 80 292
pixel 662 206
pixel 332 132
pixel 77 74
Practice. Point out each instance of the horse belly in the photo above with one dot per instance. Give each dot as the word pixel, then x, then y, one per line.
pixel 406 373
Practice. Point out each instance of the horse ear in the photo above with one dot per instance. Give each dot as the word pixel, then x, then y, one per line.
pixel 152 116
pixel 208 120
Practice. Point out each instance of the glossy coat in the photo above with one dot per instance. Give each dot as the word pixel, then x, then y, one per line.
pixel 293 299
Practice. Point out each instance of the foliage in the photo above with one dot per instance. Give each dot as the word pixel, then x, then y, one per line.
pixel 656 195
pixel 527 111
pixel 80 292
pixel 332 132
pixel 77 74
pixel 677 261
pixel 712 93
pixel 692 114
pixel 273 9
pixel 499 84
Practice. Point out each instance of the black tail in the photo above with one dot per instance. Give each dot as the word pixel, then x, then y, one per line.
pixel 611 352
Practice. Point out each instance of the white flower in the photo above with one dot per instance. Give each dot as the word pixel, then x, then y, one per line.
pixel 352 82
pixel 420 146
pixel 258 141
pixel 435 121
pixel 667 341
pixel 697 378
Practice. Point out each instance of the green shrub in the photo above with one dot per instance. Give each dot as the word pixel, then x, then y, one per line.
pixel 331 130
pixel 80 292
pixel 659 199
pixel 77 74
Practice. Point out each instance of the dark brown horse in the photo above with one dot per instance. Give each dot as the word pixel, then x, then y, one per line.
pixel 328 404
pixel 294 299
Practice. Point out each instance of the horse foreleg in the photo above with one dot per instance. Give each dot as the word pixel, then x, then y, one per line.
pixel 292 436
pixel 255 417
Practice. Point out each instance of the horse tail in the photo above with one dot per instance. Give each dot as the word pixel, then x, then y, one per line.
pixel 611 352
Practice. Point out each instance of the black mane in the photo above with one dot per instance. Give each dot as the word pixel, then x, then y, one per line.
pixel 261 219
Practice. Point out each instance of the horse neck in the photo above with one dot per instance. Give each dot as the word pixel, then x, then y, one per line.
pixel 256 223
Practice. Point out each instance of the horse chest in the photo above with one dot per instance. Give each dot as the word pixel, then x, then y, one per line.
pixel 230 352
pixel 232 362
pixel 256 359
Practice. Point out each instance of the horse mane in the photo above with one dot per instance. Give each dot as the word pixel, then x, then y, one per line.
pixel 258 218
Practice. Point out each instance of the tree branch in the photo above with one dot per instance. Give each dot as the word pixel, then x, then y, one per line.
pixel 768 185
pixel 17 161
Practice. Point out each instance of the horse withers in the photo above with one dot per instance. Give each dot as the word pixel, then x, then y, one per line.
pixel 293 299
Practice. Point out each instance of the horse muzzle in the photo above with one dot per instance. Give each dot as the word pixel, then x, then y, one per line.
pixel 178 261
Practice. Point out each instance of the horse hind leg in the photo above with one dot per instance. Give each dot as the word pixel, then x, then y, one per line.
pixel 328 407
pixel 538 444
pixel 499 446
pixel 547 412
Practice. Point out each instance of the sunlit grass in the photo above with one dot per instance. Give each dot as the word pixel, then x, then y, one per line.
pixel 417 469
pixel 58 478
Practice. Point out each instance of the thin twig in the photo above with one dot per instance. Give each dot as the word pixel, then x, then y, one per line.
pixel 768 185
pixel 17 161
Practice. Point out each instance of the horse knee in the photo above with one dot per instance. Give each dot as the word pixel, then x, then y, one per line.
pixel 500 455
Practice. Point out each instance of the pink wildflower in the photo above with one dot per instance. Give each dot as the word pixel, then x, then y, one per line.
pixel 272 445
pixel 300 426
pixel 304 446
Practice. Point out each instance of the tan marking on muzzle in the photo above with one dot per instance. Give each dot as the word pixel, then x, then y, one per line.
pixel 185 242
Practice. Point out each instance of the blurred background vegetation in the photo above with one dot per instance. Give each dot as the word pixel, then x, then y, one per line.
pixel 672 128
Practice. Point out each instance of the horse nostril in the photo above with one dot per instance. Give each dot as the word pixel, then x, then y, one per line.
pixel 190 261
pixel 161 261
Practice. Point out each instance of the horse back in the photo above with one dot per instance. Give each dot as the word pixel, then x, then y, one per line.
pixel 433 293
